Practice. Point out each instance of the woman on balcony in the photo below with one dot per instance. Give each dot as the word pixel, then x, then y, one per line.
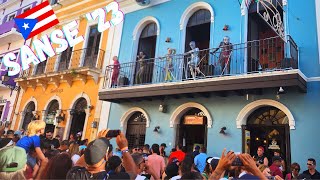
pixel 115 72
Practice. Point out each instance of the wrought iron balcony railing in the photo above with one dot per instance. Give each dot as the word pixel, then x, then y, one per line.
pixel 83 58
pixel 272 54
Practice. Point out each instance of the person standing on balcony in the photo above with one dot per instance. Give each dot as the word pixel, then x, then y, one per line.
pixel 140 77
pixel 225 55
pixel 115 72
pixel 169 65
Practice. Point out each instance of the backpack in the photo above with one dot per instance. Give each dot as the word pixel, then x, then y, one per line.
pixel 82 173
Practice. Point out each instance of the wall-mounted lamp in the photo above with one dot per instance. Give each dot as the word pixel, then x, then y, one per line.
pixel 162 107
pixel 225 27
pixel 222 131
pixel 157 129
pixel 94 124
pixel 168 40
pixel 281 91
pixel 60 118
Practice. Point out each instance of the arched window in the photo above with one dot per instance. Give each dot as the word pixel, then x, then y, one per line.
pixel 51 114
pixel 268 115
pixel 136 130
pixel 28 115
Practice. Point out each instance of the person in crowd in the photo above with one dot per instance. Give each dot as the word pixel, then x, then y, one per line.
pixel 114 167
pixel 54 143
pixel 196 151
pixel 35 129
pixel 249 166
pixel 177 154
pixel 200 159
pixel 74 152
pixel 57 167
pixel 136 150
pixel 142 167
pixel 13 162
pixel 146 149
pixel 171 171
pixel 265 170
pixel 92 164
pixel 260 157
pixel 72 138
pixel 192 175
pixel 84 142
pixel 32 165
pixel 155 161
pixel 275 167
pixel 64 146
pixel 312 172
pixel 51 153
pixel 207 169
pixel 58 137
pixel 8 139
pixel 82 148
pixel 163 147
pixel 294 174
pixel 283 164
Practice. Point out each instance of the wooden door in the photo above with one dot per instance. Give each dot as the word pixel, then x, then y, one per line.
pixel 136 130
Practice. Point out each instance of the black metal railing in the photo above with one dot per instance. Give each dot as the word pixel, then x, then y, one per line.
pixel 271 54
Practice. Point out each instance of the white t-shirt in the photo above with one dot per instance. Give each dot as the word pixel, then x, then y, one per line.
pixel 75 158
pixel 176 177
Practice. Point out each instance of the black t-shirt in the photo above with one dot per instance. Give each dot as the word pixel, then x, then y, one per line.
pixel 4 142
pixel 78 172
pixel 121 175
pixel 316 175
pixel 260 159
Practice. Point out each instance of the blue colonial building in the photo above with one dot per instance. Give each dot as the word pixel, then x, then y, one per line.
pixel 250 80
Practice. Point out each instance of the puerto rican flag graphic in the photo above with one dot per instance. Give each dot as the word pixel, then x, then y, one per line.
pixel 36 20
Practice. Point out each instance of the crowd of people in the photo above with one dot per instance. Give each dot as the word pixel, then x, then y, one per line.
pixel 38 155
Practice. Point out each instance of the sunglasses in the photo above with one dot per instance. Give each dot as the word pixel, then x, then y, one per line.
pixel 309 164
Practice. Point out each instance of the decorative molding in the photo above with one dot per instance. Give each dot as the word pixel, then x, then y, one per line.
pixel 95 76
pixel 250 108
pixel 55 97
pixel 142 24
pixel 131 6
pixel 55 81
pixel 181 110
pixel 33 84
pixel 126 116
pixel 191 10
pixel 68 79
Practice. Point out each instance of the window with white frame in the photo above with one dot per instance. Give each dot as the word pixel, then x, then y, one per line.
pixel 26 9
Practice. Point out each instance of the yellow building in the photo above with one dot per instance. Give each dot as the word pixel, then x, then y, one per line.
pixel 63 90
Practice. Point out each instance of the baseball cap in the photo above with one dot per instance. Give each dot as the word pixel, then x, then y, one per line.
pixel 82 147
pixel 164 145
pixel 96 150
pixel 12 159
pixel 276 158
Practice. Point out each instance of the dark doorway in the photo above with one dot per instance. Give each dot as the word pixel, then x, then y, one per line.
pixel 136 130
pixel 28 116
pixel 192 130
pixel 92 50
pixel 268 127
pixel 147 45
pixel 78 116
pixel 65 59
pixel 265 47
pixel 198 30
pixel 51 115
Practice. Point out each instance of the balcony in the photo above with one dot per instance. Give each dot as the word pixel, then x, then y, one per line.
pixel 9 33
pixel 251 66
pixel 75 65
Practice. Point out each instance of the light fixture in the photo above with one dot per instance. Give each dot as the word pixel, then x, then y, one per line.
pixel 280 91
pixel 157 129
pixel 143 2
pixel 60 118
pixel 162 107
pixel 247 97
pixel 94 124
pixel 222 131
pixel 225 27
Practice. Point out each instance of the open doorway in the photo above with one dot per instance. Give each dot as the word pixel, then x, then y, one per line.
pixel 198 30
pixel 265 47
pixel 147 45
pixel 78 116
pixel 268 127
pixel 192 129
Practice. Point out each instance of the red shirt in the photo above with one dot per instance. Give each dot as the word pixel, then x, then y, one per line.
pixel 177 154
pixel 275 170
